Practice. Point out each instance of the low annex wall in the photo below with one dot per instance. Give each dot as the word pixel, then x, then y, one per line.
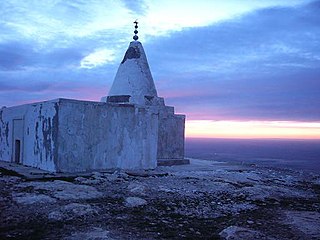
pixel 171 134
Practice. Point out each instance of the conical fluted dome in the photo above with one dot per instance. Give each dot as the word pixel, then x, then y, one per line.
pixel 133 82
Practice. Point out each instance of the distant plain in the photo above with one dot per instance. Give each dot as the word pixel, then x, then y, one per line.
pixel 278 153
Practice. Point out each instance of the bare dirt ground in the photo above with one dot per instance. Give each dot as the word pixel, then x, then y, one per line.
pixel 203 200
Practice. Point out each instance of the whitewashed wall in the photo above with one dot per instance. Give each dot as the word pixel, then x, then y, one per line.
pixel 66 135
pixel 38 134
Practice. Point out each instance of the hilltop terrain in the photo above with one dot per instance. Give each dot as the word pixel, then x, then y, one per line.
pixel 203 200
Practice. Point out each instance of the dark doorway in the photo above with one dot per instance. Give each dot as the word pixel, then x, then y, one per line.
pixel 17 143
pixel 17 151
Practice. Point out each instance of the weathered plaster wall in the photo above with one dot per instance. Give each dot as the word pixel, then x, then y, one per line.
pixel 37 130
pixel 41 135
pixel 95 135
pixel 171 134
pixel 6 130
pixel 73 136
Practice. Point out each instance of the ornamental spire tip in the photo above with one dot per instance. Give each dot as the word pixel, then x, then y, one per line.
pixel 135 37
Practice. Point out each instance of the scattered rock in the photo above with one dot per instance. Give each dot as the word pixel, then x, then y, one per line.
pixel 10 179
pixel 123 175
pixel 134 202
pixel 142 173
pixel 174 205
pixel 89 181
pixel 306 221
pixel 264 192
pixel 80 179
pixel 98 177
pixel 250 222
pixel 95 233
pixel 97 174
pixel 317 180
pixel 164 189
pixel 65 190
pixel 137 188
pixel 32 198
pixel 137 173
pixel 240 233
pixel 71 211
pixel 80 192
pixel 117 176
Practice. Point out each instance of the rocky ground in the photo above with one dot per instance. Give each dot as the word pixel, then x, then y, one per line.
pixel 204 200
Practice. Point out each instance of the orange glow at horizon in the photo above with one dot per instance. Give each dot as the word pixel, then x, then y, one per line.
pixel 252 129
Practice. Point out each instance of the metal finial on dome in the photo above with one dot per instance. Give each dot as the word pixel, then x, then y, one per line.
pixel 135 37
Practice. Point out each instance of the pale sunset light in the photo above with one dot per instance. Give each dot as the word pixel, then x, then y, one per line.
pixel 252 129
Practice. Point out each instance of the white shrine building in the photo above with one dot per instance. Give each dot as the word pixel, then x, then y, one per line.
pixel 131 128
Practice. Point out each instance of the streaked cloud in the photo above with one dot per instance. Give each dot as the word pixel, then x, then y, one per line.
pixel 167 15
pixel 97 58
pixel 49 20
pixel 137 7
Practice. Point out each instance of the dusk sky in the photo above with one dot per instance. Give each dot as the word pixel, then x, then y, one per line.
pixel 236 68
